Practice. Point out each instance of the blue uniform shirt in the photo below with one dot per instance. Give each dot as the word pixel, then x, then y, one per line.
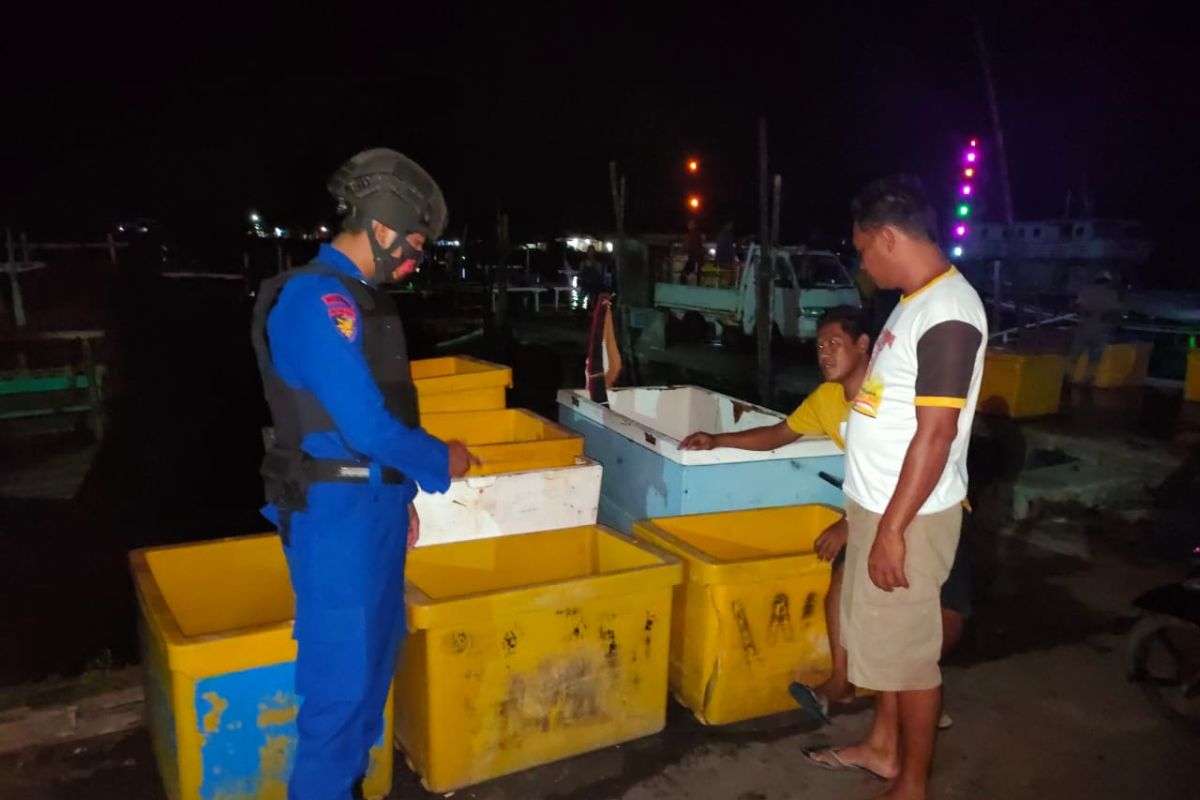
pixel 315 331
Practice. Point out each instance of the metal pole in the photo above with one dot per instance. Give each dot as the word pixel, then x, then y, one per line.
pixel 112 249
pixel 985 65
pixel 766 266
pixel 997 131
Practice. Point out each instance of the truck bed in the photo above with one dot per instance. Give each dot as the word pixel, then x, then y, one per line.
pixel 696 298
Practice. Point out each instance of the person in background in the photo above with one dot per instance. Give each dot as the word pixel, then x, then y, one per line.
pixel 695 252
pixel 347 458
pixel 843 344
pixel 1099 309
pixel 591 278
pixel 906 480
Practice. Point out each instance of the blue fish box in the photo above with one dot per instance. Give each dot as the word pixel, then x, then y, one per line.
pixel 636 438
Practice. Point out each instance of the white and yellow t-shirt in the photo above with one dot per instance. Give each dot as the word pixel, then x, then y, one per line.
pixel 930 353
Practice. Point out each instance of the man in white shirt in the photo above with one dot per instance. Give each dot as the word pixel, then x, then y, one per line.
pixel 906 479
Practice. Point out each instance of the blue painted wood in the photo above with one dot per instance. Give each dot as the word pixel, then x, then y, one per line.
pixel 639 483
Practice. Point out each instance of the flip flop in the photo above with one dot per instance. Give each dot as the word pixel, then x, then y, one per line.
pixel 837 765
pixel 810 701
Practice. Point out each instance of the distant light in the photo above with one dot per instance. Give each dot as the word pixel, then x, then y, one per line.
pixel 279 232
pixel 969 172
pixel 712 251
pixel 960 231
pixel 964 210
pixel 608 247
pixel 255 218
pixel 966 190
pixel 971 157
pixel 323 229
pixel 694 202
pixel 974 143
pixel 957 251
pixel 693 166
pixel 120 229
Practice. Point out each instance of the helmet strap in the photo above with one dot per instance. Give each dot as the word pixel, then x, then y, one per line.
pixel 385 262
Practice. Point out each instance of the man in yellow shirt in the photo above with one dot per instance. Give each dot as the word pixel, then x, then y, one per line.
pixel 843 350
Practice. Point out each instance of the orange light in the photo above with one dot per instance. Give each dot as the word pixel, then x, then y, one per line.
pixel 969 172
pixel 694 202
pixel 693 166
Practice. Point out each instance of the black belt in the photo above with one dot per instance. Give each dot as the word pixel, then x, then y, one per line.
pixel 330 470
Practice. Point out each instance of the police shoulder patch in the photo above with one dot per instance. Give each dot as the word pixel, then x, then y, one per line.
pixel 342 314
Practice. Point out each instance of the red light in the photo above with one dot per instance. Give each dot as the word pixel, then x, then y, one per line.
pixel 693 166
pixel 969 172
pixel 694 202
pixel 974 143
pixel 960 231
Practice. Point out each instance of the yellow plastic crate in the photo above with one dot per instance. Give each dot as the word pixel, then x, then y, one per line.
pixel 215 620
pixel 1191 388
pixel 508 440
pixel 1017 385
pixel 749 617
pixel 1124 364
pixel 531 648
pixel 459 383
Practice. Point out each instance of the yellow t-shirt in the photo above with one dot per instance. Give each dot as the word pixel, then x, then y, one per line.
pixel 822 412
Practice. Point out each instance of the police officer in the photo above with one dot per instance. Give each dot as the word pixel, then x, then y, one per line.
pixel 347 458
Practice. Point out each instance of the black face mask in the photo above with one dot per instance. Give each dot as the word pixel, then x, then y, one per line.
pixel 386 263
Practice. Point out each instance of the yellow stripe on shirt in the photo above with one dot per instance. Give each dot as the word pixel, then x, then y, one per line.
pixel 941 402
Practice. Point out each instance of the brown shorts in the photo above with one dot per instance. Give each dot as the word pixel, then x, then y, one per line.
pixel 893 640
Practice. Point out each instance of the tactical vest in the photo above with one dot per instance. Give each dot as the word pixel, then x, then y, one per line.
pixel 286 469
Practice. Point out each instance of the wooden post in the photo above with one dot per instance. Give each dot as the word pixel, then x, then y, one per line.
pixel 765 270
pixel 18 301
pixel 278 258
pixel 112 249
pixel 502 280
pixel 996 295
pixel 616 186
pixel 777 189
pixel 95 399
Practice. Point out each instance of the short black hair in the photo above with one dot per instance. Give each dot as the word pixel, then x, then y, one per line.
pixel 853 320
pixel 898 200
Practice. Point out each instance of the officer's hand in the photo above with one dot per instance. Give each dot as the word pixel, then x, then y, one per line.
pixel 461 459
pixel 832 540
pixel 414 527
pixel 699 441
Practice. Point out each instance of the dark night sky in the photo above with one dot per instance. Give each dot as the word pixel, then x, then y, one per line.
pixel 195 118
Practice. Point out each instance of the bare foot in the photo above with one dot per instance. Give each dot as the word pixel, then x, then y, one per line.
pixel 882 765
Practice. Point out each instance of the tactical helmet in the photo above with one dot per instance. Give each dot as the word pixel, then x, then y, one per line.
pixel 392 189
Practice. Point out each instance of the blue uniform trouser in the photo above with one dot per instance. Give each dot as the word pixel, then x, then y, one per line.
pixel 346 556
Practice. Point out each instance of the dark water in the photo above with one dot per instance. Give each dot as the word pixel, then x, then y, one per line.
pixel 179 463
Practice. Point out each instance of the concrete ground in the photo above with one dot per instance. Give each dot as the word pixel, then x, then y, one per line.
pixel 1037 692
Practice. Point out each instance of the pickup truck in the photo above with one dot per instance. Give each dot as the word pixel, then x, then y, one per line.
pixel 806 282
